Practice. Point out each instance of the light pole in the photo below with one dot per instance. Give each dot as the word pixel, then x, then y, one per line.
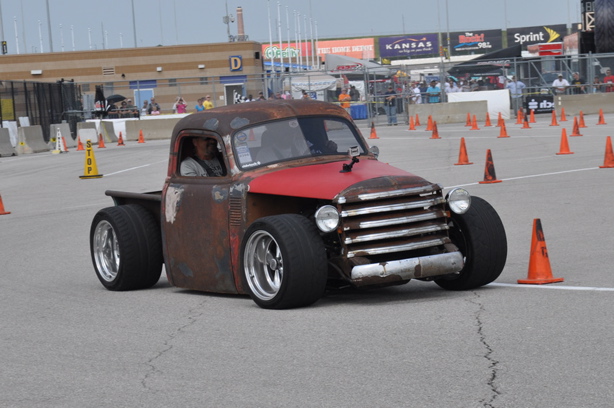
pixel 228 18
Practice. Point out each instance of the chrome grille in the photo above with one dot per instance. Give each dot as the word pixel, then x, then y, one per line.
pixel 393 221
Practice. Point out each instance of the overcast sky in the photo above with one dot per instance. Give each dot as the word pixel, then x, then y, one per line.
pixel 100 24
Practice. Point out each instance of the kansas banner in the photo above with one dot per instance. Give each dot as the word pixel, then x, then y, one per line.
pixel 408 45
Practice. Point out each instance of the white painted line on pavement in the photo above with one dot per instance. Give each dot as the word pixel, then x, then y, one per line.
pixel 133 168
pixel 549 286
pixel 530 176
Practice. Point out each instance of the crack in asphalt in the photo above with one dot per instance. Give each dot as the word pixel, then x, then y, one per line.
pixel 488 355
pixel 192 316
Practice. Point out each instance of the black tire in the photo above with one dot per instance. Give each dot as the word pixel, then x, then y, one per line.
pixel 480 236
pixel 604 26
pixel 283 262
pixel 133 232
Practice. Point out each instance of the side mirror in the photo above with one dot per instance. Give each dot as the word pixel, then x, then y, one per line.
pixel 374 150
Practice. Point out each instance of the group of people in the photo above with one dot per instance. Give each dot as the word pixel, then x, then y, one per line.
pixel 152 107
pixel 126 109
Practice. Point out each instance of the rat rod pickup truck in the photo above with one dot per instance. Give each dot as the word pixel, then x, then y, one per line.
pixel 291 201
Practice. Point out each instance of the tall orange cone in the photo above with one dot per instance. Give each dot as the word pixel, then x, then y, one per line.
pixel 79 144
pixel 373 134
pixel 608 161
pixel 554 122
pixel 503 130
pixel 581 120
pixel 563 117
pixel 468 122
pixel 435 134
pixel 141 137
pixel 474 125
pixel 417 120
pixel 462 155
pixel 120 140
pixel 429 124
pixel 499 119
pixel 519 117
pixel 539 263
pixel 101 144
pixel 489 170
pixel 487 121
pixel 564 149
pixel 412 125
pixel 601 118
pixel 2 211
pixel 532 117
pixel 90 167
pixel 64 144
pixel 576 130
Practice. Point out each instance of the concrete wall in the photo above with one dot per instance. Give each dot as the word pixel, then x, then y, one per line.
pixel 587 103
pixel 449 112
pixel 152 129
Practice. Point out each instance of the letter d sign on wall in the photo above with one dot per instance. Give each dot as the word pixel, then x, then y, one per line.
pixel 236 63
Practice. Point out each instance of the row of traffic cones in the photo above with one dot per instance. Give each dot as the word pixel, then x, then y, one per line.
pixel 101 144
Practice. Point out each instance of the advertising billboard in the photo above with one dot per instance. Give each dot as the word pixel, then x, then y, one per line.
pixel 534 35
pixel 475 42
pixel 361 48
pixel 408 45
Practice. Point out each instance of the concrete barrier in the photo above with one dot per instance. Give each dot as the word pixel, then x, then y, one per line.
pixel 587 103
pixel 6 147
pixel 31 140
pixel 64 132
pixel 449 112
pixel 152 129
pixel 86 134
pixel 108 131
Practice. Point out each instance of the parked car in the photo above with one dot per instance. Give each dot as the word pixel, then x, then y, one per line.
pixel 302 205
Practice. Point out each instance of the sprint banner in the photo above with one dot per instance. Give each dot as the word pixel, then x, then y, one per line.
pixel 535 35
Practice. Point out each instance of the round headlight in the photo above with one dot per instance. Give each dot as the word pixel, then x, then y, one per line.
pixel 459 200
pixel 327 218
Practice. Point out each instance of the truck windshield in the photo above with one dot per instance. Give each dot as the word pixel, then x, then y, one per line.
pixel 292 139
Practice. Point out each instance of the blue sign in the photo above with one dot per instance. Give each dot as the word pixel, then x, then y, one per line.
pixel 236 63
pixel 409 45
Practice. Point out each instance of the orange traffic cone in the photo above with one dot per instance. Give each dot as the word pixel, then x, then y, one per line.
pixel 101 144
pixel 2 211
pixel 564 149
pixel 519 117
pixel 581 120
pixel 503 131
pixel 79 144
pixel 539 263
pixel 601 118
pixel 499 119
pixel 468 122
pixel 120 140
pixel 576 130
pixel 489 170
pixel 474 125
pixel 487 122
pixel 141 137
pixel 608 162
pixel 412 125
pixel 373 134
pixel 525 124
pixel 64 144
pixel 462 155
pixel 563 117
pixel 429 124
pixel 554 122
pixel 417 120
pixel 435 134
pixel 532 117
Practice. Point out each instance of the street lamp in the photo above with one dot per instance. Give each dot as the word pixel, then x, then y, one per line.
pixel 227 19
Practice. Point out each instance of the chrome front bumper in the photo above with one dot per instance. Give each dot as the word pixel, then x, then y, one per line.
pixel 412 268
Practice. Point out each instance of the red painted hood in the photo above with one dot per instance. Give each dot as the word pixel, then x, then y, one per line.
pixel 324 181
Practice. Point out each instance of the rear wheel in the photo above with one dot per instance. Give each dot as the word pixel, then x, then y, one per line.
pixel 283 262
pixel 480 236
pixel 126 247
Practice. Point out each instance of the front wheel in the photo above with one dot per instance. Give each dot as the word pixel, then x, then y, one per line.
pixel 480 236
pixel 126 247
pixel 283 263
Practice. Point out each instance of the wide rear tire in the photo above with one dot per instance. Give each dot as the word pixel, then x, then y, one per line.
pixel 126 247
pixel 283 262
pixel 480 236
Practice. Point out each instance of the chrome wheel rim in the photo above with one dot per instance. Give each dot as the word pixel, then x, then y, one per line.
pixel 106 251
pixel 264 265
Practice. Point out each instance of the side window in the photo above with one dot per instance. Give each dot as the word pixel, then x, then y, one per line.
pixel 201 156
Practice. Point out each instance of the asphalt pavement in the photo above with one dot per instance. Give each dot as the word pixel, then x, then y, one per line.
pixel 68 342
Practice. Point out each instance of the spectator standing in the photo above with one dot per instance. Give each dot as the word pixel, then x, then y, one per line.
pixel 452 86
pixel 433 92
pixel 578 84
pixel 390 105
pixel 609 81
pixel 344 100
pixel 416 94
pixel 560 85
pixel 305 95
pixel 354 93
pixel 145 107
pixel 153 108
pixel 133 111
pixel 207 103
pixel 516 88
pixel 597 86
pixel 261 96
pixel 180 106
pixel 199 105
